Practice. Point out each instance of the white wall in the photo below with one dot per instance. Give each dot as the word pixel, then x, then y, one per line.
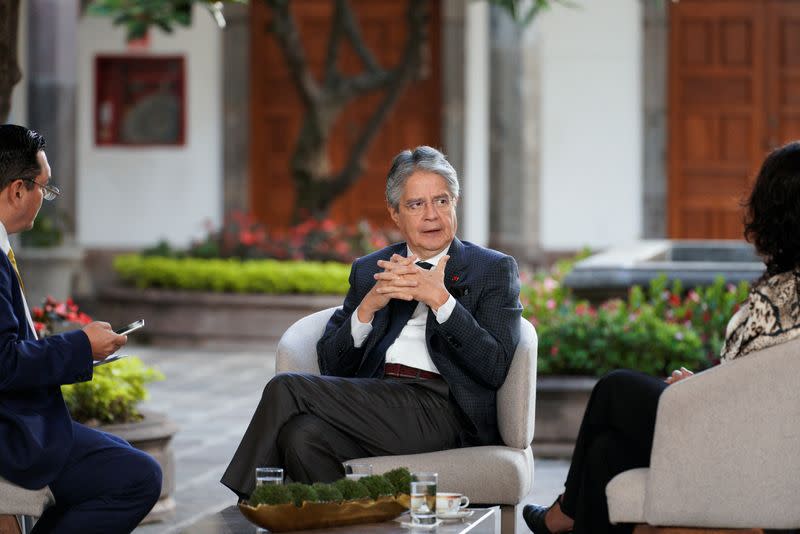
pixel 132 197
pixel 591 131
pixel 19 95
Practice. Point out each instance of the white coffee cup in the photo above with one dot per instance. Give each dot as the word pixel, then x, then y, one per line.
pixel 450 503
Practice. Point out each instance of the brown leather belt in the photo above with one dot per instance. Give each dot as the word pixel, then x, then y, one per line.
pixel 403 371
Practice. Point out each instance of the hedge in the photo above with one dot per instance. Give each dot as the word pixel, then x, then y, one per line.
pixel 235 276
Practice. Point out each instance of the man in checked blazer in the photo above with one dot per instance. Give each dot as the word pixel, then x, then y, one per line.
pixel 412 361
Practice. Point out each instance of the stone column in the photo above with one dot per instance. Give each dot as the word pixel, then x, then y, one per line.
pixel 236 108
pixel 476 124
pixel 515 99
pixel 52 83
pixel 654 85
pixel 452 83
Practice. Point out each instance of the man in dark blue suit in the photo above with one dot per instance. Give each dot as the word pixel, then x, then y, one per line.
pixel 100 483
pixel 412 361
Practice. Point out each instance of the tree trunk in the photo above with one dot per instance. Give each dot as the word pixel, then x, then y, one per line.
pixel 9 68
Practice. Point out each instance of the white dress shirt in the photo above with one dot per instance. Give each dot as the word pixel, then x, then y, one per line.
pixel 410 347
pixel 5 246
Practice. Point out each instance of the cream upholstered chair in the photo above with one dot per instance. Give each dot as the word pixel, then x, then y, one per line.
pixel 496 475
pixel 726 450
pixel 18 501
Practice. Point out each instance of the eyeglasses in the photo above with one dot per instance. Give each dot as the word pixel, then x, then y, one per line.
pixel 418 207
pixel 50 192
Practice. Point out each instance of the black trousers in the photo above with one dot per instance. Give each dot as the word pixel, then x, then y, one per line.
pixel 616 434
pixel 310 424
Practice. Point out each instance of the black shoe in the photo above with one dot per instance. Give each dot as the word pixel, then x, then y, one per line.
pixel 533 514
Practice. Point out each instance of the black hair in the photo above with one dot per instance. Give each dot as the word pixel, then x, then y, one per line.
pixel 772 218
pixel 19 147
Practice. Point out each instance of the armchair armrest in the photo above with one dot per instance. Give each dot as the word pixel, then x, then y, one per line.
pixel 725 450
pixel 297 348
pixel 516 398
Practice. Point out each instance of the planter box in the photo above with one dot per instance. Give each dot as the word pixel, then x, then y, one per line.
pixel 153 435
pixel 48 271
pixel 560 403
pixel 198 318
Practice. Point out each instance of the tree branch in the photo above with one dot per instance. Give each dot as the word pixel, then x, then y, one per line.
pixel 337 30
pixel 288 36
pixel 358 41
pixel 397 80
pixel 9 66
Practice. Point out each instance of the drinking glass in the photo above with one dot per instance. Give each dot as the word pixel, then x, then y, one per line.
pixel 356 471
pixel 423 498
pixel 269 475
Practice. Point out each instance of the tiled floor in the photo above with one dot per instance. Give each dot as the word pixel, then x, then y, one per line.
pixel 210 394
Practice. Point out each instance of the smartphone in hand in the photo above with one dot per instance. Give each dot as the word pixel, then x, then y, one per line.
pixel 125 330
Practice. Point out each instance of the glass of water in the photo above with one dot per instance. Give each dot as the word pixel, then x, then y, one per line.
pixel 423 498
pixel 356 471
pixel 269 476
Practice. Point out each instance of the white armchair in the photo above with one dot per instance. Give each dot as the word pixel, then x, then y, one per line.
pixel 488 475
pixel 18 501
pixel 726 450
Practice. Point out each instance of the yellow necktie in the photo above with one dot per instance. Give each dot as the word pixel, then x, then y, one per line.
pixel 16 269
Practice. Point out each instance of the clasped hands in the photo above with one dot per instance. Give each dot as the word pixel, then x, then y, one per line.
pixel 402 279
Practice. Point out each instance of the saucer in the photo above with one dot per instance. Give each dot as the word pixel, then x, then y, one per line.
pixel 416 526
pixel 461 514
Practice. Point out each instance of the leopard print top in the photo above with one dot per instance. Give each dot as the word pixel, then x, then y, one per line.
pixel 770 316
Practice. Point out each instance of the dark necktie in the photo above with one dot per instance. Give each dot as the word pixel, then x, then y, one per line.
pixel 400 311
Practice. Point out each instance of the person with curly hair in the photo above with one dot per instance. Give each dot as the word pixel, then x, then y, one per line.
pixel 616 433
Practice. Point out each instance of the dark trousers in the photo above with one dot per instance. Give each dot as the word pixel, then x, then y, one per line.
pixel 106 486
pixel 310 424
pixel 616 434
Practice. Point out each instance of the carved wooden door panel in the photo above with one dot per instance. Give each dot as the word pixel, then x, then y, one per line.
pixel 716 113
pixel 783 73
pixel 276 109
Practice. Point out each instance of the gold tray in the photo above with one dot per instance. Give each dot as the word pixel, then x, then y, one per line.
pixel 287 517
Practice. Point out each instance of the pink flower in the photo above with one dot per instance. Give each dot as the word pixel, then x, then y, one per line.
pixel 549 284
pixel 551 304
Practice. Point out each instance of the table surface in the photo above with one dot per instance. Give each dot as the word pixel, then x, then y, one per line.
pixel 231 521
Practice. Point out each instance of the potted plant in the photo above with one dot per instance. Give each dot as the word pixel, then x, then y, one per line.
pixel 48 261
pixel 110 401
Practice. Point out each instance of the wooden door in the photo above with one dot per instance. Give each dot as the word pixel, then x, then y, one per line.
pixel 783 73
pixel 276 109
pixel 716 113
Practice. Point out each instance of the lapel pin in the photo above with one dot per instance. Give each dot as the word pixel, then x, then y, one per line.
pixel 455 278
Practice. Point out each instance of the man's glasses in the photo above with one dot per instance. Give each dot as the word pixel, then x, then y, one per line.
pixel 50 192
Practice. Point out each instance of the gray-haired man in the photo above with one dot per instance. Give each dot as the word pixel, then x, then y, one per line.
pixel 412 361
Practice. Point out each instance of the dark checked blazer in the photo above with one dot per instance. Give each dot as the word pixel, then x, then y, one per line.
pixel 472 349
pixel 35 426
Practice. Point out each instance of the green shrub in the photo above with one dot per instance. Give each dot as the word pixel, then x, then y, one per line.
pixel 377 486
pixel 255 276
pixel 327 492
pixel 616 337
pixel 351 490
pixel 400 478
pixel 113 393
pixel 270 494
pixel 655 330
pixel 301 493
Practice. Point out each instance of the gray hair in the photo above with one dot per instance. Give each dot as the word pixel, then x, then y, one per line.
pixel 422 158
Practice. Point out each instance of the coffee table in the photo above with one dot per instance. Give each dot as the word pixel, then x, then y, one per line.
pixel 231 521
